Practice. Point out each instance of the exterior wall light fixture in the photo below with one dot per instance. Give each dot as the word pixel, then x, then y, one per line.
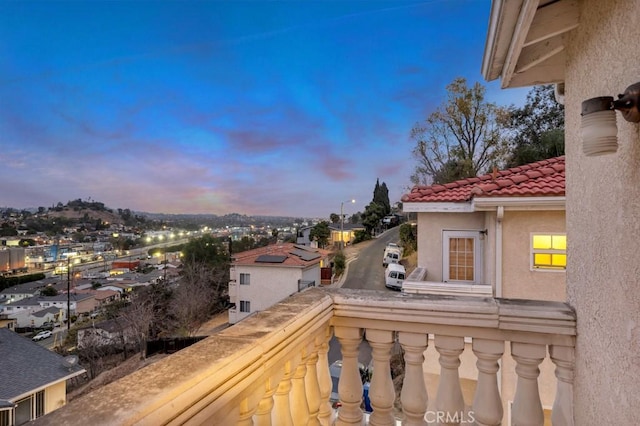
pixel 599 130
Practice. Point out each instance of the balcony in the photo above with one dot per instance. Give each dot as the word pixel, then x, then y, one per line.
pixel 272 368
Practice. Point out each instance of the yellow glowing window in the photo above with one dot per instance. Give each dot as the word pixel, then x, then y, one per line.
pixel 549 251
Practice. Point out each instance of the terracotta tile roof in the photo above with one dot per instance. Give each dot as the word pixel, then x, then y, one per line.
pixel 544 178
pixel 286 252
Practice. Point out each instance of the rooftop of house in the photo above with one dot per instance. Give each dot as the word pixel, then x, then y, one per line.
pixel 26 366
pixel 543 178
pixel 346 226
pixel 285 254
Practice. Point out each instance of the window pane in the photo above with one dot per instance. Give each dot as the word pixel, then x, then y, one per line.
pixel 461 259
pixel 559 242
pixel 542 259
pixel 559 260
pixel 542 242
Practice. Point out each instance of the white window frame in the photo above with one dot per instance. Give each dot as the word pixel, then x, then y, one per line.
pixel 245 306
pixel 532 251
pixel 478 249
pixel 245 278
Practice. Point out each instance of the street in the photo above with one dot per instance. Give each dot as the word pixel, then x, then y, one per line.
pixel 367 273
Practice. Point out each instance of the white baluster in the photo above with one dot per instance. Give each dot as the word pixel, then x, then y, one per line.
pixel 563 357
pixel 350 385
pixel 527 408
pixel 281 414
pixel 381 392
pixel 265 407
pixel 414 396
pixel 324 378
pixel 487 404
pixel 298 396
pixel 312 387
pixel 449 399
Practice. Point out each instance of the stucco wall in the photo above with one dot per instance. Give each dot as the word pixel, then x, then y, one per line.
pixel 518 280
pixel 268 285
pixel 430 226
pixel 55 397
pixel 603 218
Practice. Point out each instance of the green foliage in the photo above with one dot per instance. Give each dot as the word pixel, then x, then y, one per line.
pixel 381 196
pixel 206 249
pixel 361 235
pixel 334 218
pixel 49 291
pixel 6 282
pixel 408 238
pixel 8 231
pixel 372 216
pixel 462 138
pixel 339 263
pixel 537 129
pixel 320 233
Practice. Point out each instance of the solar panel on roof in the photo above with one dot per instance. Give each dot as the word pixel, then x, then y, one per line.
pixel 305 255
pixel 271 258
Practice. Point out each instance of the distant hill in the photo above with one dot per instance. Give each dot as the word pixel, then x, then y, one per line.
pixel 81 214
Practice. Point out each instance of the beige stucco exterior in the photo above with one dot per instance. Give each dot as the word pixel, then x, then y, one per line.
pixel 603 205
pixel 518 279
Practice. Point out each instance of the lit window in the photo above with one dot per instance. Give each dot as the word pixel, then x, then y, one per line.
pixel 245 279
pixel 549 251
pixel 245 306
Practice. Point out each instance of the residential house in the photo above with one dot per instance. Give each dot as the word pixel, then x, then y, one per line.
pixel 586 49
pixel 502 234
pixel 33 379
pixel 79 303
pixel 343 233
pixel 261 277
pixel 111 332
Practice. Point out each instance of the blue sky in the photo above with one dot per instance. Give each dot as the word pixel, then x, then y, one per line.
pixel 254 107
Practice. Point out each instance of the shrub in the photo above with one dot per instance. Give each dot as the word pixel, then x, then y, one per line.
pixel 339 263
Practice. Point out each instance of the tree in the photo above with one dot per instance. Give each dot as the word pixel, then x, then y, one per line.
pixel 372 216
pixel 49 291
pixel 381 196
pixel 206 249
pixel 194 298
pixel 536 129
pixel 462 138
pixel 320 233
pixel 408 237
pixel 334 218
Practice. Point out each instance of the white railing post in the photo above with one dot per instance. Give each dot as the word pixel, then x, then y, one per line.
pixel 324 378
pixel 449 399
pixel 282 409
pixel 414 396
pixel 563 357
pixel 312 387
pixel 487 404
pixel 350 385
pixel 527 408
pixel 265 406
pixel 298 395
pixel 381 392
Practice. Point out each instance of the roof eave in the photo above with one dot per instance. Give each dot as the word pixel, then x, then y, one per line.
pixel 520 203
pixel 437 207
pixel 502 22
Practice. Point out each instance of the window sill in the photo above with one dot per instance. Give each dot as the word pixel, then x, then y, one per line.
pixel 431 287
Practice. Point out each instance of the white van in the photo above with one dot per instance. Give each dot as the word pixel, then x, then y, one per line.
pixel 394 276
pixel 391 255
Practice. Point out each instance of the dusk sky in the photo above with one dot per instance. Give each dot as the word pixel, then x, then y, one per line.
pixel 250 107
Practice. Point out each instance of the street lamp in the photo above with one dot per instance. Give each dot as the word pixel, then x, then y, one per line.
pixel 352 201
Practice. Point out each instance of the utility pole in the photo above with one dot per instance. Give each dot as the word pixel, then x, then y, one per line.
pixel 68 295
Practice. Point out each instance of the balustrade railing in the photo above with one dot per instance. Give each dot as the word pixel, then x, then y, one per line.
pixel 272 368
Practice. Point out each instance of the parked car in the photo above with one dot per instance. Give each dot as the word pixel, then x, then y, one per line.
pixel 42 335
pixel 394 276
